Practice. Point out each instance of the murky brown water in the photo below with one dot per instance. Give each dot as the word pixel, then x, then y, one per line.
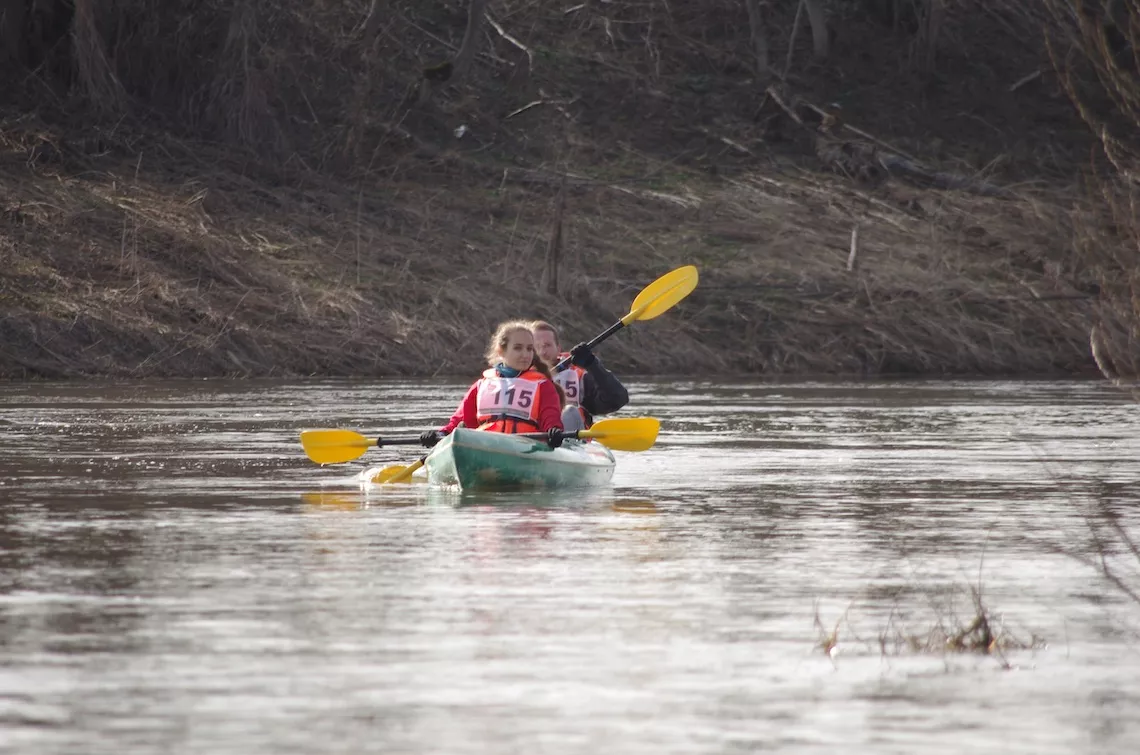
pixel 176 577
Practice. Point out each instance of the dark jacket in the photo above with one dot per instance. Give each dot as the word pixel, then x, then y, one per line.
pixel 602 393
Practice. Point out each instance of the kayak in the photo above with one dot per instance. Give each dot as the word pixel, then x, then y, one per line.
pixel 477 460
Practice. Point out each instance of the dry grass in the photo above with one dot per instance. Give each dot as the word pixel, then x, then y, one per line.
pixel 940 627
pixel 178 264
pixel 1093 47
pixel 287 209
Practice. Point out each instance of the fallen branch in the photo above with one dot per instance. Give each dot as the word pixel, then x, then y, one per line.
pixel 512 40
pixel 524 108
pixel 735 145
pixel 1025 80
pixel 823 114
pixel 771 92
pixel 854 248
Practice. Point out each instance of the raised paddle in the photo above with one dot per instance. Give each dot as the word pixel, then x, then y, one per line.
pixel 336 446
pixel 620 434
pixel 655 299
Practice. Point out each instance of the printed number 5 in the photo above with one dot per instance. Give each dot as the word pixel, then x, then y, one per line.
pixel 525 398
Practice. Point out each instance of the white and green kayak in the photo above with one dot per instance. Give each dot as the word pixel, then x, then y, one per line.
pixel 476 460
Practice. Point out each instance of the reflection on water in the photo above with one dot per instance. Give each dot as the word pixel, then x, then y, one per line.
pixel 781 571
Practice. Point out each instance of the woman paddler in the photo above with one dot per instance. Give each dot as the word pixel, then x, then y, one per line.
pixel 514 395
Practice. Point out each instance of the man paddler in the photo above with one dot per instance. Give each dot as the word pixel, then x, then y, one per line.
pixel 590 388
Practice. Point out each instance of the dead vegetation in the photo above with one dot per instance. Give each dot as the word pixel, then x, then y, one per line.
pixel 1093 45
pixel 941 627
pixel 262 188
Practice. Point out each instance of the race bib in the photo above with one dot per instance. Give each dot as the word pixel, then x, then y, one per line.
pixel 571 383
pixel 506 397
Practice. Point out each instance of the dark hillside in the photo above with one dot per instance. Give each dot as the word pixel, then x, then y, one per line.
pixel 259 187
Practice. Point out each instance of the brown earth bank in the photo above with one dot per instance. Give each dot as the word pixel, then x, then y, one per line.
pixel 260 188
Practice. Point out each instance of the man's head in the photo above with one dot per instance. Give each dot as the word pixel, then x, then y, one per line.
pixel 546 342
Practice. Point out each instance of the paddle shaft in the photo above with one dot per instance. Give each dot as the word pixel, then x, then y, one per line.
pixel 406 473
pixel 381 442
pixel 597 340
pixel 573 434
pixel 656 298
pixel 626 434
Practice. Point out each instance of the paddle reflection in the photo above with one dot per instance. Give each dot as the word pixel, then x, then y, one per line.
pixel 351 500
pixel 634 506
pixel 368 494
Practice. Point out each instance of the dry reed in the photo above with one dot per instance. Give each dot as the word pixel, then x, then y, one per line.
pixel 355 233
pixel 938 627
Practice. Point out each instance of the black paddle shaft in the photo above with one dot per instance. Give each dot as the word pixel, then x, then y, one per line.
pixel 381 441
pixel 573 434
pixel 603 336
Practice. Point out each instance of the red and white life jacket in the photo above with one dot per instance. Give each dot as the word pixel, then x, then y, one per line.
pixel 509 404
pixel 571 381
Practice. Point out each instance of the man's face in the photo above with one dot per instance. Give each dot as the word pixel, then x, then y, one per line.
pixel 547 347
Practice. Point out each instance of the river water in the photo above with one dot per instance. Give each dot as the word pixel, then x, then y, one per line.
pixel 796 567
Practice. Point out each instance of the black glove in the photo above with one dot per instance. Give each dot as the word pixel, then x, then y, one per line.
pixel 555 438
pixel 430 438
pixel 582 356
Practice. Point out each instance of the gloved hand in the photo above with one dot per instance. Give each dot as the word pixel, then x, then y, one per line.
pixel 430 438
pixel 554 438
pixel 582 356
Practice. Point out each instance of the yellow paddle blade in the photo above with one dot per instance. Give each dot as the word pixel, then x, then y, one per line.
pixel 394 473
pixel 660 295
pixel 625 434
pixel 403 475
pixel 382 476
pixel 334 446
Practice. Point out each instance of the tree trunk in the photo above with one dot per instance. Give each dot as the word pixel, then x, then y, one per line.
pixel 819 35
pixel 456 69
pixel 95 75
pixel 466 54
pixel 554 244
pixel 371 25
pixel 759 38
pixel 792 38
pixel 12 14
pixel 931 24
pixel 241 98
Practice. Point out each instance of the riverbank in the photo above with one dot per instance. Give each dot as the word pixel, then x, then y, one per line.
pixel 134 248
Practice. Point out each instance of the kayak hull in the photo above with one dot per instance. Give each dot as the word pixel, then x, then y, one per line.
pixel 477 460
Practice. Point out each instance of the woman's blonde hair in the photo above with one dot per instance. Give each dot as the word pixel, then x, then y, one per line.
pixel 502 337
